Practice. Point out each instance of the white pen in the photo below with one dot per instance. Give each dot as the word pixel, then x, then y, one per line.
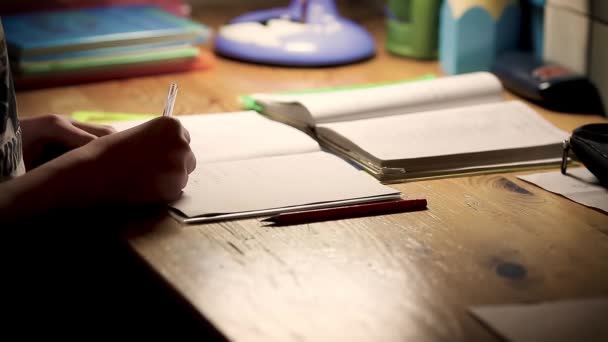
pixel 170 102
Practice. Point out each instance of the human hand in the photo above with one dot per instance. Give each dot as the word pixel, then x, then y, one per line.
pixel 147 163
pixel 45 137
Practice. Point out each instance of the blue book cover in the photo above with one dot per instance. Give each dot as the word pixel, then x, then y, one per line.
pixel 75 30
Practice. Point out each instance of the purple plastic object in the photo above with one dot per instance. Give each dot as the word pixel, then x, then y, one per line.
pixel 310 33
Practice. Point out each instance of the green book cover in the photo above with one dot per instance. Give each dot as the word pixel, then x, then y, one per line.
pixel 109 61
pixel 108 117
pixel 249 102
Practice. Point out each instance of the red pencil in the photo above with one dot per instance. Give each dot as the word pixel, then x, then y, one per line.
pixel 358 210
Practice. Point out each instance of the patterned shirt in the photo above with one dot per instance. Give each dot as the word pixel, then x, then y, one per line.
pixel 11 156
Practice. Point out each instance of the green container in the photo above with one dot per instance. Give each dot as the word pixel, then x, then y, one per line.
pixel 412 28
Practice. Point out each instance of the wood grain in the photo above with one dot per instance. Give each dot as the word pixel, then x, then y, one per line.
pixel 483 240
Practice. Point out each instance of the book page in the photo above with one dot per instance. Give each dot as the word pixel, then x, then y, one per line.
pixel 275 182
pixel 393 99
pixel 578 185
pixel 238 135
pixel 502 126
pixel 580 319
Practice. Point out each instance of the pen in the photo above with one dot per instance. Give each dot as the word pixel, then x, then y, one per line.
pixel 566 149
pixel 170 102
pixel 350 211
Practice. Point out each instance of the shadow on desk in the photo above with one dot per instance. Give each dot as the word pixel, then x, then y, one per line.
pixel 71 275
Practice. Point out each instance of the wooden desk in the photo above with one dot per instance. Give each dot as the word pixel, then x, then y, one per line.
pixel 484 240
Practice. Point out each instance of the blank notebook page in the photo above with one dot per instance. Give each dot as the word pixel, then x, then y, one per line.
pixel 238 135
pixel 275 182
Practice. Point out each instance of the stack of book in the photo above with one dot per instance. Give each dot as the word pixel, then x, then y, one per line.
pixel 92 44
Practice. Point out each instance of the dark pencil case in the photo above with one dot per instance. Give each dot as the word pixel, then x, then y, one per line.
pixel 589 145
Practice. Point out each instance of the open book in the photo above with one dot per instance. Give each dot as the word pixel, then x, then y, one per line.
pixel 248 165
pixel 456 124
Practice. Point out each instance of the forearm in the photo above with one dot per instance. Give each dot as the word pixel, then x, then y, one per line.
pixel 47 188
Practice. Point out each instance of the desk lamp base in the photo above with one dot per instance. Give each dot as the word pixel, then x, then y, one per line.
pixel 306 34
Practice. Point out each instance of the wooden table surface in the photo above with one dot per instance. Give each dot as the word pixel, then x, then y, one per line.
pixel 483 240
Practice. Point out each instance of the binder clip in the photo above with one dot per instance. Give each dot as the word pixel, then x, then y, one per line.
pixel 589 145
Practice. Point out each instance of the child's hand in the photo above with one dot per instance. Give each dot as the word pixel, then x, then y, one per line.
pixel 48 136
pixel 147 163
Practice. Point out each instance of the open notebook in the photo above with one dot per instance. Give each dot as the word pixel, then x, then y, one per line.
pixel 248 165
pixel 455 124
